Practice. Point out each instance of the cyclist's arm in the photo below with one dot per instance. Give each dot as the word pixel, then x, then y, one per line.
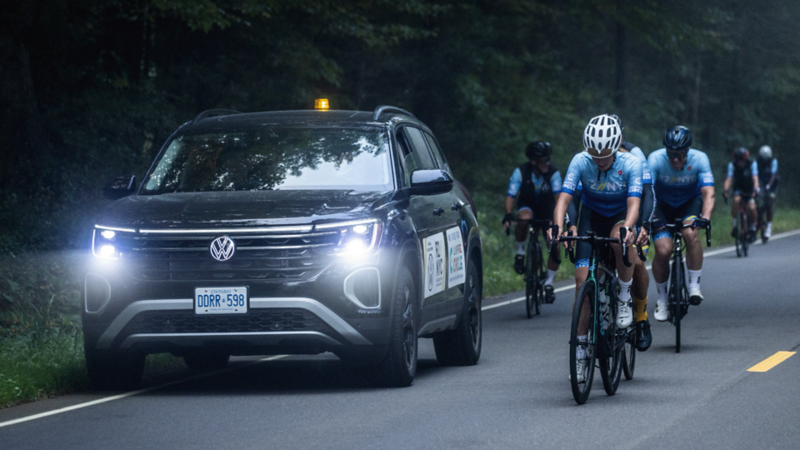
pixel 632 215
pixel 728 179
pixel 708 200
pixel 754 171
pixel 560 211
pixel 513 189
pixel 774 173
pixel 509 204
pixel 648 205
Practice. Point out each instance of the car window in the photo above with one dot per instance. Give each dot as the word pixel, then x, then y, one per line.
pixel 420 148
pixel 408 162
pixel 437 153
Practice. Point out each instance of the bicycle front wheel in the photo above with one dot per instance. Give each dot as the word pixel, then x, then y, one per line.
pixel 530 281
pixel 537 269
pixel 629 356
pixel 611 357
pixel 581 371
pixel 676 291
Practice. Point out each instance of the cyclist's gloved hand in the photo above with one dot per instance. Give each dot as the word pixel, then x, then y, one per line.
pixel 507 219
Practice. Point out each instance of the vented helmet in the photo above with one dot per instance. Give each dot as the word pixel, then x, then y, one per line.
pixel 538 149
pixel 602 136
pixel 678 138
pixel 765 152
pixel 741 154
pixel 619 121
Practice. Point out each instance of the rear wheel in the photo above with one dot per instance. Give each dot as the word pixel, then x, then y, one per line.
pixel 629 356
pixel 611 356
pixel 537 269
pixel 400 365
pixel 676 293
pixel 462 346
pixel 531 280
pixel 582 388
pixel 744 231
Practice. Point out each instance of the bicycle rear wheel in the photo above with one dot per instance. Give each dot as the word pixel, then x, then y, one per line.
pixel 744 232
pixel 629 356
pixel 530 280
pixel 582 388
pixel 537 269
pixel 611 356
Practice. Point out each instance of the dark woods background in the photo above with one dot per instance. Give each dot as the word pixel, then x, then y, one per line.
pixel 91 89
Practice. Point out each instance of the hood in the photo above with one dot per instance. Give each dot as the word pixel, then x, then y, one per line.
pixel 239 209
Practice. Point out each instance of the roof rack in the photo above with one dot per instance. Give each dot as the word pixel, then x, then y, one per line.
pixel 386 108
pixel 214 112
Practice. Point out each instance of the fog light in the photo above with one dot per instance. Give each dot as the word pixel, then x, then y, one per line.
pixel 108 234
pixel 107 251
pixel 363 288
pixel 360 229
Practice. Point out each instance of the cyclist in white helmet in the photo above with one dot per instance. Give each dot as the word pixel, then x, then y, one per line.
pixel 768 180
pixel 611 195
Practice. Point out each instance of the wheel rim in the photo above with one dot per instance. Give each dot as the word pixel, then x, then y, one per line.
pixel 408 329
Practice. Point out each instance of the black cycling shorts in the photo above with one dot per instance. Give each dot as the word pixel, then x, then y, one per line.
pixel 542 209
pixel 667 214
pixel 592 221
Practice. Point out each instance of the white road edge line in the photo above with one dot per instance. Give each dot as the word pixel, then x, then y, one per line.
pixel 131 393
pixel 649 266
pixel 272 358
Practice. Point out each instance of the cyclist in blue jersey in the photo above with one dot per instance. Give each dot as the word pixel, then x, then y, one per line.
pixel 743 178
pixel 641 278
pixel 768 181
pixel 684 187
pixel 611 196
pixel 535 185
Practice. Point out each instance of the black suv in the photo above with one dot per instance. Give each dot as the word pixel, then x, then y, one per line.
pixel 290 232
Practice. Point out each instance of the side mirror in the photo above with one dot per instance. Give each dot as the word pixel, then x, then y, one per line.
pixel 430 182
pixel 120 187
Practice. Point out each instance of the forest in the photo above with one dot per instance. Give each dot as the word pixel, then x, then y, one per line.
pixel 92 89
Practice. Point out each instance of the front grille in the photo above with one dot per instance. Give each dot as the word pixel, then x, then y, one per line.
pixel 285 257
pixel 255 320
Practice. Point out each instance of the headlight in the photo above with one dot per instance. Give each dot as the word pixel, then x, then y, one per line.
pixel 356 237
pixel 104 241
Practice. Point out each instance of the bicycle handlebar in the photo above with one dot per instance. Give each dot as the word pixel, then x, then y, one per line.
pixel 697 223
pixel 592 238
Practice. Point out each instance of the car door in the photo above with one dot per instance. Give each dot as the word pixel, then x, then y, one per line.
pixel 433 217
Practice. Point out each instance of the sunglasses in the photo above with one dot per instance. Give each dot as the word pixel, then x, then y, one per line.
pixel 543 161
pixel 676 155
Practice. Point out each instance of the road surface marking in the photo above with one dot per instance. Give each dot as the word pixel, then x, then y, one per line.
pixel 771 362
pixel 130 394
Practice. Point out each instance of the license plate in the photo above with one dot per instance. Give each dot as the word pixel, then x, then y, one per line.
pixel 228 300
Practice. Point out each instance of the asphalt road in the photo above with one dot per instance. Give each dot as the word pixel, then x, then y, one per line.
pixel 518 395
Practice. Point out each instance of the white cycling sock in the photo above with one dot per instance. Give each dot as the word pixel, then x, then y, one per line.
pixel 551 275
pixel 694 278
pixel 662 291
pixel 625 290
pixel 520 248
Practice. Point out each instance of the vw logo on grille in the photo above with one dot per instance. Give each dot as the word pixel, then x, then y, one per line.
pixel 222 248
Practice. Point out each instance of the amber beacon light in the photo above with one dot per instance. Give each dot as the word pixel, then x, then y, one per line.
pixel 321 103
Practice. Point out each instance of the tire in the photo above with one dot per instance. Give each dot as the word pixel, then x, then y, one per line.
pixel 610 365
pixel 743 231
pixel 462 346
pixel 531 281
pixel 580 391
pixel 400 364
pixel 629 357
pixel 208 360
pixel 537 269
pixel 675 295
pixel 114 372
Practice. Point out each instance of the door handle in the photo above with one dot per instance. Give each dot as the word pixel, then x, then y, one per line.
pixel 456 206
pixel 438 211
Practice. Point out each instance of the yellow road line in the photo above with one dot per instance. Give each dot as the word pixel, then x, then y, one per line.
pixel 771 362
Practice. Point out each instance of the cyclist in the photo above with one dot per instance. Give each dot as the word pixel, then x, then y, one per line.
pixel 641 279
pixel 611 196
pixel 535 185
pixel 743 178
pixel 768 180
pixel 684 187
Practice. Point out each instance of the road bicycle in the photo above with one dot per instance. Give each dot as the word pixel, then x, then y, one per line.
pixel 535 267
pixel 596 306
pixel 678 293
pixel 741 233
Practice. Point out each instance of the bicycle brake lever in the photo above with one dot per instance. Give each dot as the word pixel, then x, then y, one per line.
pixel 554 244
pixel 571 250
pixel 623 232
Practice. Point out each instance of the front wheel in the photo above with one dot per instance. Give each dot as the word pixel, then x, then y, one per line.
pixel 531 281
pixel 462 346
pixel 400 364
pixel 629 356
pixel 610 362
pixel 677 300
pixel 581 371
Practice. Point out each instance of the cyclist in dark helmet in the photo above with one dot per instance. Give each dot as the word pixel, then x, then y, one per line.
pixel 535 185
pixel 743 178
pixel 684 186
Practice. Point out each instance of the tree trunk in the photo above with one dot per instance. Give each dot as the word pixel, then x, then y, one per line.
pixel 621 90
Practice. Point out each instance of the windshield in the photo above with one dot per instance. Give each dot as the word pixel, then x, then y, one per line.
pixel 274 158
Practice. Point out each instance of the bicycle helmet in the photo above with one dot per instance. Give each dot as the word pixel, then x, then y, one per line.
pixel 765 152
pixel 740 154
pixel 602 136
pixel 538 149
pixel 678 138
pixel 619 121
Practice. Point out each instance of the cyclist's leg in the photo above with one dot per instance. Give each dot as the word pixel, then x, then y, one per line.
pixel 544 211
pixel 737 198
pixel 662 240
pixel 752 214
pixel 520 233
pixel 691 210
pixel 583 251
pixel 625 275
pixel 641 283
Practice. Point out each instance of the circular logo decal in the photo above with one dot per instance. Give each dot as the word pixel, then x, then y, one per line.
pixel 619 172
pixel 222 248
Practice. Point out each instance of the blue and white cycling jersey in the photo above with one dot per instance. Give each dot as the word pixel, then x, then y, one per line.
pixel 516 181
pixel 646 177
pixel 605 193
pixel 676 187
pixel 753 168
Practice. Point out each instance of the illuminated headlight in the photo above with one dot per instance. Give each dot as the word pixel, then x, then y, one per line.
pixel 104 243
pixel 357 237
